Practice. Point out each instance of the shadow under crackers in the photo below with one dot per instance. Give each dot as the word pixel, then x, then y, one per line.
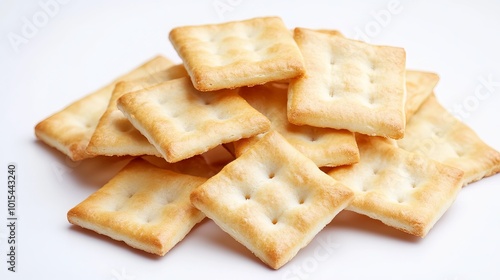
pixel 348 220
pixel 214 235
pixel 108 240
pixel 94 172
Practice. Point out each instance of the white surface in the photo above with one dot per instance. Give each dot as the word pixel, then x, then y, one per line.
pixel 85 44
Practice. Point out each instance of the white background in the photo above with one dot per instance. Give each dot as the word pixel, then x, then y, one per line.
pixel 82 45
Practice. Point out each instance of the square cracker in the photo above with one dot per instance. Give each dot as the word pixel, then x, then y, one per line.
pixel 437 134
pixel 419 86
pixel 182 122
pixel 324 146
pixel 349 85
pixel 145 206
pixel 407 191
pixel 70 129
pixel 239 53
pixel 114 134
pixel 272 199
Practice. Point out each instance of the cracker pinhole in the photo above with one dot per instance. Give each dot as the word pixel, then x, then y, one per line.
pixel 88 125
pixel 301 198
pixel 151 217
pixel 438 132
pixel 118 206
pixel 401 199
pixel 252 33
pixel 129 194
pixel 164 199
pixel 259 47
pixel 459 152
pixel 313 136
pixel 371 99
pixel 247 192
pixel 331 92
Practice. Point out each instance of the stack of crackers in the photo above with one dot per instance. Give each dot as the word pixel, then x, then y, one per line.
pixel 316 122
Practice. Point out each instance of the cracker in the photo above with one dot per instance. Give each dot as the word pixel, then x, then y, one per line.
pixel 437 134
pixel 195 166
pixel 419 86
pixel 114 134
pixel 324 146
pixel 182 122
pixel 145 206
pixel 70 129
pixel 272 199
pixel 349 85
pixel 404 190
pixel 239 53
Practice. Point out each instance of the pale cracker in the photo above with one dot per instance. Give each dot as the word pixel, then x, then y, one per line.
pixel 239 53
pixel 182 122
pixel 437 134
pixel 324 146
pixel 407 191
pixel 114 134
pixel 145 206
pixel 349 85
pixel 70 129
pixel 419 86
pixel 272 199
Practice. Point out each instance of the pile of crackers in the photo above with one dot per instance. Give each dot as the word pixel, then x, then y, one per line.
pixel 316 122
